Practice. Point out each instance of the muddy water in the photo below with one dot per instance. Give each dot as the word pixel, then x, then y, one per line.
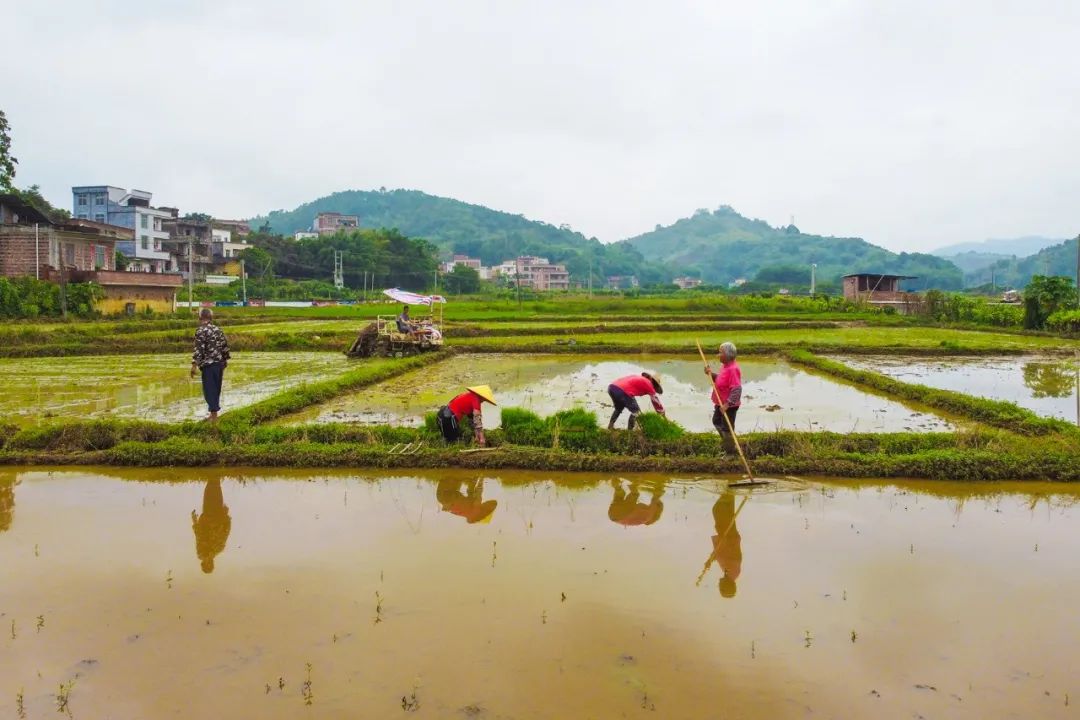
pixel 1047 386
pixel 147 387
pixel 777 395
pixel 522 597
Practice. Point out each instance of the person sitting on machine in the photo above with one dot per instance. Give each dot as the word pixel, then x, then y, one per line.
pixel 405 324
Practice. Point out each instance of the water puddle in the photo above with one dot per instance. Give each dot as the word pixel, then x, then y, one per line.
pixel 1047 386
pixel 152 593
pixel 777 395
pixel 147 387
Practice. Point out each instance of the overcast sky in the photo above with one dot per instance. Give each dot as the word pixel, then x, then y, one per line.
pixel 912 124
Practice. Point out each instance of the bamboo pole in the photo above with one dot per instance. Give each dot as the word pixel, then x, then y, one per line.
pixel 727 420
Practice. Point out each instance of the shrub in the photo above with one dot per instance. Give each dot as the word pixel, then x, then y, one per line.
pixel 658 427
pixel 574 429
pixel 524 427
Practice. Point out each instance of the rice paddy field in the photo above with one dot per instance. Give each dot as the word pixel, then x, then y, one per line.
pixel 907 550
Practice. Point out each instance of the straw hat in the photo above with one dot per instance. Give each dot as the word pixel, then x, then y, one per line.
pixel 484 391
pixel 655 379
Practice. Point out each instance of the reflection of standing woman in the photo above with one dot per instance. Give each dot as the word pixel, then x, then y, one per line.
pixel 727 545
pixel 212 527
pixel 7 500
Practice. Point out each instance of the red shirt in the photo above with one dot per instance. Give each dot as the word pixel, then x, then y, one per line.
pixel 467 403
pixel 728 386
pixel 639 386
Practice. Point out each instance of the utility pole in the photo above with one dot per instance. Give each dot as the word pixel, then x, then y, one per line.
pixel 190 272
pixel 813 276
pixel 37 254
pixel 243 281
pixel 517 282
pixel 590 278
pixel 1078 290
pixel 436 280
pixel 339 270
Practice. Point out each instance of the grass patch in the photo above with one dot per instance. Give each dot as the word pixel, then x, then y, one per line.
pixel 658 427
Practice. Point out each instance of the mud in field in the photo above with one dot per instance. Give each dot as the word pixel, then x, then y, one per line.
pixel 776 395
pixel 147 387
pixel 522 596
pixel 1047 386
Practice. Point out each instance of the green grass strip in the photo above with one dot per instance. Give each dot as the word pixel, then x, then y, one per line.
pixel 998 413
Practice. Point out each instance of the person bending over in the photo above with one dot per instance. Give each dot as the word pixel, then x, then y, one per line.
pixel 468 404
pixel 625 391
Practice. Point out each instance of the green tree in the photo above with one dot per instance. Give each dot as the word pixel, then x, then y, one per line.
pixel 462 280
pixel 258 262
pixel 33 196
pixel 7 162
pixel 1044 296
pixel 121 261
pixel 1049 379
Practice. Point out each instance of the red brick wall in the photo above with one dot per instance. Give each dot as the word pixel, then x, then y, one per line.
pixel 17 250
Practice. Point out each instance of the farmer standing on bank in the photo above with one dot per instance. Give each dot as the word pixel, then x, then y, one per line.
pixel 625 391
pixel 210 358
pixel 727 390
pixel 468 404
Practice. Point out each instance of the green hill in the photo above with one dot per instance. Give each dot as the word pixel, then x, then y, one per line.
pixel 722 246
pixel 474 230
pixel 1017 272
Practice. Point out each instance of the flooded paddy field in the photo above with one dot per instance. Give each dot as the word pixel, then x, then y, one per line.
pixel 1049 386
pixel 147 387
pixel 776 394
pixel 142 594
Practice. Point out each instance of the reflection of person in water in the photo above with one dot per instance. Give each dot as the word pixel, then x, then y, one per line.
pixel 212 527
pixel 727 545
pixel 7 500
pixel 469 504
pixel 626 508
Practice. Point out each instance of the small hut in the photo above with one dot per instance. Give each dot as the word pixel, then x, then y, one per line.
pixel 881 290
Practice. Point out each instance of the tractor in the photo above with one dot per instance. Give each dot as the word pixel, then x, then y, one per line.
pixel 382 338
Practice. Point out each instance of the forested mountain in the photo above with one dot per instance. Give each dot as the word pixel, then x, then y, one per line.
pixel 1017 272
pixel 971 262
pixel 474 230
pixel 1020 247
pixel 722 246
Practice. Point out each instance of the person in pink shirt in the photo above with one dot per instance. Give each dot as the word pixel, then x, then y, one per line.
pixel 727 389
pixel 625 391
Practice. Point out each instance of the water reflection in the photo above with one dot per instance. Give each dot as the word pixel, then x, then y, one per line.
pixel 212 527
pixel 727 544
pixel 7 499
pixel 1046 379
pixel 469 504
pixel 626 507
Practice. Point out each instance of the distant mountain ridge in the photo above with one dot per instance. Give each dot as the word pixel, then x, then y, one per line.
pixel 722 246
pixel 1020 247
pixel 1016 272
pixel 458 227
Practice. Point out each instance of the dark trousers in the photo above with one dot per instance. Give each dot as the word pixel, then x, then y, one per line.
pixel 211 384
pixel 622 400
pixel 448 424
pixel 718 418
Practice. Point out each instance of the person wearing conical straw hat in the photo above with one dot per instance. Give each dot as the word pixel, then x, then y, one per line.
pixel 625 391
pixel 467 404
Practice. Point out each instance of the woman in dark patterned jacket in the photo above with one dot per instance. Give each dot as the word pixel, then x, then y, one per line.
pixel 210 358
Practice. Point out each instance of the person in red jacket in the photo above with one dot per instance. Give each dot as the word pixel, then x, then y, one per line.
pixel 625 391
pixel 468 404
pixel 727 390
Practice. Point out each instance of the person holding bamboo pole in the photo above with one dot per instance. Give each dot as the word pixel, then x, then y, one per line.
pixel 727 390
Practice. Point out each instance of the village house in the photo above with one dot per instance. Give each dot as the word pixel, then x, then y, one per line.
pixel 328 223
pixel 112 205
pixel 79 250
pixel 685 283
pixel 190 239
pixel 881 291
pixel 474 263
pixel 535 273
pixel 622 282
